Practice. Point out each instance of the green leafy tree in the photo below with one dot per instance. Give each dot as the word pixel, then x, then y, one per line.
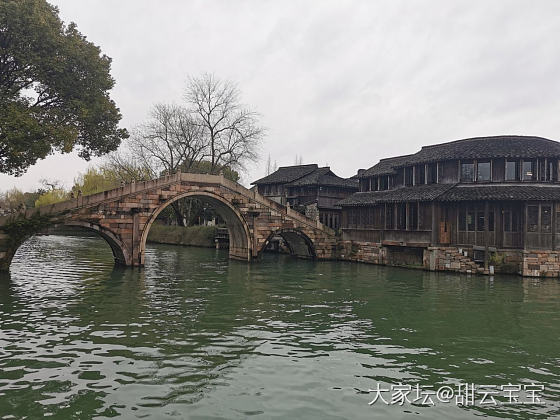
pixel 108 176
pixel 51 197
pixel 54 89
pixel 95 180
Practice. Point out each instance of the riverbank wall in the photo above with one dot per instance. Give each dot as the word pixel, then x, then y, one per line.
pixel 454 259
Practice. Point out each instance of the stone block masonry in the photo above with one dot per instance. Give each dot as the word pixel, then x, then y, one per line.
pixel 433 258
pixel 366 252
pixel 541 263
pixel 450 259
pixel 537 263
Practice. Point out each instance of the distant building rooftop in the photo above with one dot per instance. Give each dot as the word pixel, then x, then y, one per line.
pixel 303 175
pixel 286 174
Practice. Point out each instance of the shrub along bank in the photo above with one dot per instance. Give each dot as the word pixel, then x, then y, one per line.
pixel 178 235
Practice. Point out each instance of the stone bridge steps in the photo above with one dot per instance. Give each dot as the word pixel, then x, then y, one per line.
pixel 450 259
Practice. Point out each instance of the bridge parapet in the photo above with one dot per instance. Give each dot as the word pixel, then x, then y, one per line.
pixel 95 199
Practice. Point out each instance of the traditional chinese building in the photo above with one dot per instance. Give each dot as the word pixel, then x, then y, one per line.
pixel 309 189
pixel 462 206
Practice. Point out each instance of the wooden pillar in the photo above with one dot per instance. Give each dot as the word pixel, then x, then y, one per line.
pixel 499 226
pixel 486 233
pixel 414 175
pixel 385 216
pixel 435 226
pixel 457 213
pixel 553 227
pixel 524 233
pixel 475 175
pixel 426 173
pixel 407 216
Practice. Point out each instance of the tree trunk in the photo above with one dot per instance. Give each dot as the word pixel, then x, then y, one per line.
pixel 178 214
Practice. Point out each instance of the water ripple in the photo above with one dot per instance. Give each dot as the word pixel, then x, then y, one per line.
pixel 193 335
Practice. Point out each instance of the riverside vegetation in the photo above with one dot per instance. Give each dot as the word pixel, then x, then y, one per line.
pixel 202 236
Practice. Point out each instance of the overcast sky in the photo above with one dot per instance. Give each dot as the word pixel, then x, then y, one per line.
pixel 341 83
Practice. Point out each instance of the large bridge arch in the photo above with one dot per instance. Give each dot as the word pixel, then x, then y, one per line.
pixel 240 244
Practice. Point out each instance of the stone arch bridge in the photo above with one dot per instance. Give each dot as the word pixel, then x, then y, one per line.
pixel 123 217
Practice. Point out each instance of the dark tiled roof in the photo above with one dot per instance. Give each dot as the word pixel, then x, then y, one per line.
pixel 286 174
pixel 385 166
pixel 502 192
pixel 311 178
pixel 324 176
pixel 417 193
pixel 335 181
pixel 489 147
pixel 473 148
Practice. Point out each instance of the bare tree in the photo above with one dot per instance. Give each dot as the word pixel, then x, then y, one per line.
pixel 169 140
pixel 51 184
pixel 270 167
pixel 212 130
pixel 230 131
pixel 124 168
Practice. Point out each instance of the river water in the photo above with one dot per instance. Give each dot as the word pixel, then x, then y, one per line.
pixel 194 335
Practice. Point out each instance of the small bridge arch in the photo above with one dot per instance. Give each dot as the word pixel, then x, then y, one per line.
pixel 120 252
pixel 298 243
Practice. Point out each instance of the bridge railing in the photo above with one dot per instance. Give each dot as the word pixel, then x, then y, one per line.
pixel 94 199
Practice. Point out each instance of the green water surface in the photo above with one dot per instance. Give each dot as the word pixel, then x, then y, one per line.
pixel 196 336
